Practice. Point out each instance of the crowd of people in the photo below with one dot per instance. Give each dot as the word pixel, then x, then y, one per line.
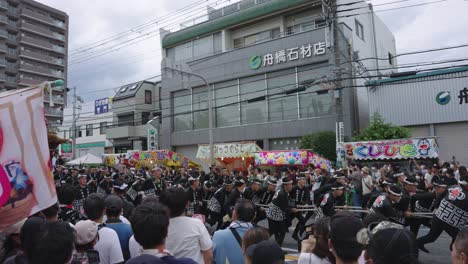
pixel 163 215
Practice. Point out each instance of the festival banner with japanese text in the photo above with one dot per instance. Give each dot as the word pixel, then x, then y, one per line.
pixel 420 148
pixel 148 159
pixel 229 150
pixel 26 180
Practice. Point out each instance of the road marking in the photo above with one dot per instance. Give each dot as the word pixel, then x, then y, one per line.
pixel 290 249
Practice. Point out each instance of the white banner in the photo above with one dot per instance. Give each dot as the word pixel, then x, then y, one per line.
pixel 26 181
pixel 231 150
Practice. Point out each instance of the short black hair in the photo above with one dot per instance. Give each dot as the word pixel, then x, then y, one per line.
pixel 58 249
pixel 175 199
pixel 51 211
pixel 344 227
pixel 461 242
pixel 94 206
pixel 150 223
pixel 66 194
pixel 245 210
pixel 29 234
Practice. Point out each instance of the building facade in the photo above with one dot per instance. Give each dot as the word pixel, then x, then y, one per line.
pixel 33 49
pixel 92 120
pixel 133 106
pixel 431 104
pixel 271 74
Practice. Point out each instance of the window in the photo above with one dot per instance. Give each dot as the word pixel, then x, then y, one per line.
pixel 390 58
pixel 126 120
pixel 145 117
pixel 282 106
pixel 200 107
pixel 123 89
pixel 311 103
pixel 256 38
pixel 89 130
pixel 182 110
pixel 227 104
pixel 80 133
pixel 252 89
pixel 133 87
pixel 148 97
pixel 359 29
pixel 102 128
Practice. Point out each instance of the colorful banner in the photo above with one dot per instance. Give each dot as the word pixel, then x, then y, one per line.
pixel 26 180
pixel 392 149
pixel 231 150
pixel 139 159
pixel 293 157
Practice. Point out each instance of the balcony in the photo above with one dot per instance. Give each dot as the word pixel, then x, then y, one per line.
pixel 3 34
pixel 2 63
pixel 41 57
pixel 3 5
pixel 12 52
pixel 3 20
pixel 3 49
pixel 11 67
pixel 55 99
pixel 30 82
pixel 36 29
pixel 53 112
pixel 42 44
pixel 10 79
pixel 41 71
pixel 42 18
pixel 12 10
pixel 114 132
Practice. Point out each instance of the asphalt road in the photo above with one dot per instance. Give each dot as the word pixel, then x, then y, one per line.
pixel 439 250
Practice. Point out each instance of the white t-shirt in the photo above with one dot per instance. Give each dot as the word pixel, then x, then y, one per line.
pixel 134 247
pixel 367 184
pixel 108 246
pixel 311 258
pixel 187 237
pixel 428 178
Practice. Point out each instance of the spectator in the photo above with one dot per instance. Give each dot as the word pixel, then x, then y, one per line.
pixel 51 213
pixel 12 243
pixel 460 247
pixel 108 244
pixel 114 208
pixel 54 245
pixel 29 234
pixel 150 223
pixel 66 198
pixel 86 237
pixel 227 243
pixel 315 250
pixel 251 237
pixel 344 227
pixel 119 188
pixel 393 245
pixel 266 251
pixel 187 236
pixel 367 182
pixel 135 248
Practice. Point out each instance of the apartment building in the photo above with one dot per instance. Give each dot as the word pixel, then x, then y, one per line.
pixel 271 71
pixel 33 49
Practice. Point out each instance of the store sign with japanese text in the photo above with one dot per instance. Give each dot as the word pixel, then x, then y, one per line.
pixel 287 55
pixel 101 106
pixel 419 148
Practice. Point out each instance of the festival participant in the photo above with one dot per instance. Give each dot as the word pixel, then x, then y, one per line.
pixel 264 197
pixel 216 204
pixel 300 195
pixel 388 205
pixel 105 186
pixel 194 195
pixel 59 175
pixel 66 199
pixel 236 193
pixel 81 192
pixel 451 216
pixel 119 189
pixel 278 211
pixel 155 185
pixel 327 205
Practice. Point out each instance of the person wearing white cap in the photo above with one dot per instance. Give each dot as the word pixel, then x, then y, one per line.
pixel 86 236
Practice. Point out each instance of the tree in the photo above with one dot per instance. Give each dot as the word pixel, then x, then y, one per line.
pixel 379 130
pixel 322 143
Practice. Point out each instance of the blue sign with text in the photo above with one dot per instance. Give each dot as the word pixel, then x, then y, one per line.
pixel 101 106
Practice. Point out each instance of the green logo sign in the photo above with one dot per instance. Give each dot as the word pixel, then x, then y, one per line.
pixel 152 131
pixel 66 147
pixel 255 62
pixel 443 98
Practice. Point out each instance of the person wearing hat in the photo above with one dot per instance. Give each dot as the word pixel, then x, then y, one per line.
pixel 105 186
pixel 451 215
pixel 217 202
pixel 81 191
pixel 426 202
pixel 300 195
pixel 400 179
pixel 279 211
pixel 388 205
pixel 236 193
pixel 264 197
pixel 326 207
pixel 119 188
pixel 194 195
pixel 86 236
pixel 59 175
pixel 155 185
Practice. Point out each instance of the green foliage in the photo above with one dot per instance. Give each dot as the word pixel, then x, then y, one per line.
pixel 321 143
pixel 379 130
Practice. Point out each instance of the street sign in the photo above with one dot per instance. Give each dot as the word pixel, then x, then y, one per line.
pixel 101 106
pixel 66 150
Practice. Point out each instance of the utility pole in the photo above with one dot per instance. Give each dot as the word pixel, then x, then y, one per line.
pixel 73 136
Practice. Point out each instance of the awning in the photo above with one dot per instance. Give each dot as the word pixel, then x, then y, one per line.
pixel 417 148
pixel 229 150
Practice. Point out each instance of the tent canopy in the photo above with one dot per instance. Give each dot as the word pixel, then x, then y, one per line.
pixel 228 150
pixel 86 159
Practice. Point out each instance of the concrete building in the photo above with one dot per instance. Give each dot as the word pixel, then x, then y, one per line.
pixel 93 118
pixel 433 103
pixel 273 77
pixel 133 106
pixel 33 49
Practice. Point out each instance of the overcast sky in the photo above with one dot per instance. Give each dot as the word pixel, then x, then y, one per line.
pixel 417 28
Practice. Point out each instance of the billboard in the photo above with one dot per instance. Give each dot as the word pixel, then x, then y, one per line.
pixel 101 106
